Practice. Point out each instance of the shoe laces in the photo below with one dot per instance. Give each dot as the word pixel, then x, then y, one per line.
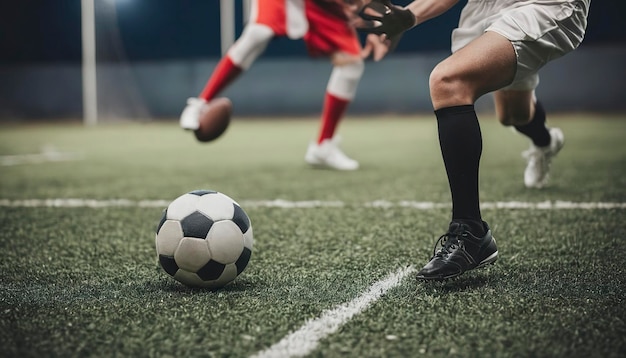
pixel 450 242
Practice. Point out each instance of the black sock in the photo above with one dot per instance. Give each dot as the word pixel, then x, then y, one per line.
pixel 536 129
pixel 461 145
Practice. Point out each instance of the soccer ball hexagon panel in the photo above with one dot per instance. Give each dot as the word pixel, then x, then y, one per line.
pixel 204 239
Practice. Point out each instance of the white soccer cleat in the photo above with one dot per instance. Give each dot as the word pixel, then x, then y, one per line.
pixel 190 118
pixel 539 159
pixel 329 155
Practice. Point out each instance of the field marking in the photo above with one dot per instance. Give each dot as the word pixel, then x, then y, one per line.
pixel 47 154
pixel 306 339
pixel 287 204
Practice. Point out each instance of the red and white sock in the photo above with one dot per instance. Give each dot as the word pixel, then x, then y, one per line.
pixel 340 91
pixel 224 74
pixel 334 109
pixel 239 58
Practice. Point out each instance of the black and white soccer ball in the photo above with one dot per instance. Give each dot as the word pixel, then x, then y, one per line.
pixel 204 239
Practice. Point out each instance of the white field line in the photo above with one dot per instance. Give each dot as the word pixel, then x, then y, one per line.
pixel 48 154
pixel 287 204
pixel 305 340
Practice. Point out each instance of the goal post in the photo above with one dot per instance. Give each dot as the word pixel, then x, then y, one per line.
pixel 228 17
pixel 227 24
pixel 99 94
pixel 90 87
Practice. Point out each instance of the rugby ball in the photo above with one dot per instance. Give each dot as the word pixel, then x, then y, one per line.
pixel 214 119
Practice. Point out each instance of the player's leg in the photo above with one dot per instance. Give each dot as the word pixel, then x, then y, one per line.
pixel 330 35
pixel 536 33
pixel 267 20
pixel 520 109
pixel 340 92
pixel 484 65
pixel 540 33
pixel 248 47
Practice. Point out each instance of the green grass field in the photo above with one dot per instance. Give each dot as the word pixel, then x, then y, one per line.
pixel 82 280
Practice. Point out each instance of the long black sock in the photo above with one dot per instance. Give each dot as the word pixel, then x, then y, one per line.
pixel 461 145
pixel 536 129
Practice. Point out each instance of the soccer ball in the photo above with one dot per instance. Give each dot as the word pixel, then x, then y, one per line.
pixel 204 239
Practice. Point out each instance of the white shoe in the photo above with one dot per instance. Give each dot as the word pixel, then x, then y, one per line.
pixel 539 158
pixel 190 118
pixel 329 155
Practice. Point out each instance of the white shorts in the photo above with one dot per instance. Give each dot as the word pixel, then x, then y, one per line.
pixel 540 31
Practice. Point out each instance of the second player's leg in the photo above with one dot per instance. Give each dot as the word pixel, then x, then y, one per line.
pixel 521 110
pixel 514 108
pixel 332 36
pixel 340 91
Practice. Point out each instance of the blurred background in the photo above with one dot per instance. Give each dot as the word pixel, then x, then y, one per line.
pixel 151 55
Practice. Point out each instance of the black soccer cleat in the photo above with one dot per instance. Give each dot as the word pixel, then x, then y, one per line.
pixel 460 251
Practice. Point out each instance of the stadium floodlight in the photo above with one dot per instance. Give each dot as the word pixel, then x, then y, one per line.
pixel 88 34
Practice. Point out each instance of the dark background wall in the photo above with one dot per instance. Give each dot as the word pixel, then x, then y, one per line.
pixel 153 54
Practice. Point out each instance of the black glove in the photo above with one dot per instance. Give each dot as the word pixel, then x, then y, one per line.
pixel 389 19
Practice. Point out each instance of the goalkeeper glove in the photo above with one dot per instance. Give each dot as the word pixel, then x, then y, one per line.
pixel 383 17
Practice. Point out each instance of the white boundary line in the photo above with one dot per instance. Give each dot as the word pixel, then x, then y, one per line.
pixel 47 155
pixel 288 204
pixel 306 339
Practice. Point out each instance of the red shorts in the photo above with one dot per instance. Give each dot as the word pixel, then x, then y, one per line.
pixel 328 30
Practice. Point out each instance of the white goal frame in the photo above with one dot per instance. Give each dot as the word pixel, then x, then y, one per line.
pixel 88 36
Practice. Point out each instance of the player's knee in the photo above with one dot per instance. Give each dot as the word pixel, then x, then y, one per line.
pixel 344 79
pixel 252 42
pixel 436 81
pixel 341 58
pixel 447 89
pixel 257 33
pixel 513 119
pixel 351 71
